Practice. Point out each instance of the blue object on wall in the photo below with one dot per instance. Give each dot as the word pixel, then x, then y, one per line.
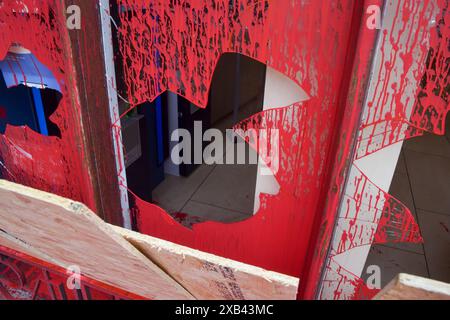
pixel 25 68
pixel 40 113
pixel 21 80
pixel 18 105
pixel 159 117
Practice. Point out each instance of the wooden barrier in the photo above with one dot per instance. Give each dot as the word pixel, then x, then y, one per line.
pixel 67 233
pixel 408 287
pixel 207 276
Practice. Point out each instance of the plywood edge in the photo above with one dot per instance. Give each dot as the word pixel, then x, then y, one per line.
pixel 264 280
pixel 18 245
pixel 410 287
pixel 182 292
pixel 38 195
pixel 186 251
pixel 28 194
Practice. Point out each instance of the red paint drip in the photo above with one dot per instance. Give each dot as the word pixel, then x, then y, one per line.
pixel 385 221
pixel 394 114
pixel 25 278
pixel 187 40
pixel 344 284
pixel 387 121
pixel 176 46
pixel 47 163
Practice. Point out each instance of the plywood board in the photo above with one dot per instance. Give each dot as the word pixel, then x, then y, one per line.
pixel 207 276
pixel 408 287
pixel 67 233
pixel 10 242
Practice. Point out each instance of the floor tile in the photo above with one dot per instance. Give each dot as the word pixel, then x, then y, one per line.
pixel 224 123
pixel 436 233
pixel 429 144
pixel 401 163
pixel 394 261
pixel 212 213
pixel 231 187
pixel 174 192
pixel 447 127
pixel 401 190
pixel 430 181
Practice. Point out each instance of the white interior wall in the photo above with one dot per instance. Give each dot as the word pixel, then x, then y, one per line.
pixel 280 91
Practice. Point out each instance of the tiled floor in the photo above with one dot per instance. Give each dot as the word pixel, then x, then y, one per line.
pixel 422 182
pixel 224 193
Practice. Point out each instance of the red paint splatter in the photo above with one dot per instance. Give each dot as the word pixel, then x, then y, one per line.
pixel 47 163
pixel 366 222
pixel 397 108
pixel 343 284
pixel 187 40
pixel 176 46
pixel 27 278
pixel 412 79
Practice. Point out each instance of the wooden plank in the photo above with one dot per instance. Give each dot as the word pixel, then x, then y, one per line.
pixel 66 233
pixel 55 271
pixel 88 62
pixel 12 243
pixel 409 287
pixel 208 276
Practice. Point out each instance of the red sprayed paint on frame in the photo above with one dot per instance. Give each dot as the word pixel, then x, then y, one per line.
pixel 27 278
pixel 398 110
pixel 47 163
pixel 344 284
pixel 192 36
pixel 410 97
pixel 177 31
pixel 293 37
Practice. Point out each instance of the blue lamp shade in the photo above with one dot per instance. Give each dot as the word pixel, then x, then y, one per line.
pixel 23 80
pixel 25 69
